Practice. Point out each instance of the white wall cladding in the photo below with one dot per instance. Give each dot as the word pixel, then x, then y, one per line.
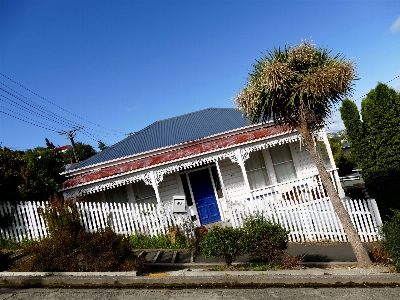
pixel 304 163
pixel 168 188
pixel 233 180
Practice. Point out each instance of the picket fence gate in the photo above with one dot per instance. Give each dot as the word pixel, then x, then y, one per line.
pixel 122 218
pixel 311 219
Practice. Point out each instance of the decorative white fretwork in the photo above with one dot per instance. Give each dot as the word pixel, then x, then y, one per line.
pixel 199 161
pixel 245 151
pixel 102 186
pixel 147 178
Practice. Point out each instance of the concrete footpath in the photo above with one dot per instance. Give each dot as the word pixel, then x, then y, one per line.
pixel 333 266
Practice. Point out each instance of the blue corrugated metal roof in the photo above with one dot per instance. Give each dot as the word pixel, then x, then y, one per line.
pixel 168 132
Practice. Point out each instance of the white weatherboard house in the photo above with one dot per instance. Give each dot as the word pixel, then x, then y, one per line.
pixel 213 157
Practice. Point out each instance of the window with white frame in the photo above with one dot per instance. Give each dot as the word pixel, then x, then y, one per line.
pixel 143 191
pixel 283 163
pixel 256 171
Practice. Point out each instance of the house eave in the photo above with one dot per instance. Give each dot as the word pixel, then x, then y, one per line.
pixel 121 160
pixel 175 157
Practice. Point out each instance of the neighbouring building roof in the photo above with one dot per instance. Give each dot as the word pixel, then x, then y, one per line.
pixel 172 131
pixel 61 149
pixel 345 146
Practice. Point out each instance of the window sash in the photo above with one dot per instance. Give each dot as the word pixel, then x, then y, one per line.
pixel 143 191
pixel 283 163
pixel 256 171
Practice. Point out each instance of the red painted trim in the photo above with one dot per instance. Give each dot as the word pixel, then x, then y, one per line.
pixel 175 155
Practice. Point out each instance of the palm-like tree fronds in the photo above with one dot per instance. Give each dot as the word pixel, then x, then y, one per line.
pixel 296 85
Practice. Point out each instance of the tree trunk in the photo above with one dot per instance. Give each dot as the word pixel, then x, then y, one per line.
pixel 361 253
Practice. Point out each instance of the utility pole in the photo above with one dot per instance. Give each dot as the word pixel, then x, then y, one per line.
pixel 70 135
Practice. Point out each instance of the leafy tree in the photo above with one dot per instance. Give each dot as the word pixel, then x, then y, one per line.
pixel 298 87
pixel 41 174
pixel 375 144
pixel 11 164
pixel 33 175
pixel 49 144
pixel 343 162
pixel 101 145
pixel 83 152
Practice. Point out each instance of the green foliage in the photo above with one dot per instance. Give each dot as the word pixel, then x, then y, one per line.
pixel 69 248
pixel 223 242
pixel 85 252
pixel 49 144
pixel 61 216
pixel 391 239
pixel 264 240
pixel 8 244
pixel 11 245
pixel 375 144
pixel 12 164
pixel 183 240
pixel 298 86
pixel 101 145
pixel 83 152
pixel 33 175
pixel 142 241
pixel 343 162
pixel 42 174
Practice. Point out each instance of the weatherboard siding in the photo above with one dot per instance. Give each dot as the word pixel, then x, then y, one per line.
pixel 302 160
pixel 168 188
pixel 233 180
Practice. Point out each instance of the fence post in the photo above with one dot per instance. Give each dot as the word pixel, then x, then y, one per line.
pixel 376 212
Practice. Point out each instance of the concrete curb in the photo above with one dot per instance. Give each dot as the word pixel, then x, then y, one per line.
pixel 76 274
pixel 179 266
pixel 211 279
pixel 227 281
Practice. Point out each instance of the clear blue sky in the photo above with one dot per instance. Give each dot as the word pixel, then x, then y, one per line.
pixel 123 65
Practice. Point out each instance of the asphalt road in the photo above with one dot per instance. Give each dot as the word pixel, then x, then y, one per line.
pixel 200 294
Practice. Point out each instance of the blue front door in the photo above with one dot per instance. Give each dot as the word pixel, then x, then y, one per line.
pixel 204 196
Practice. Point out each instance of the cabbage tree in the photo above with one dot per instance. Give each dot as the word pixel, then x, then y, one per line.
pixel 299 86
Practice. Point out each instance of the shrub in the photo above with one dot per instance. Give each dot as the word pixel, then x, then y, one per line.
pixel 142 241
pixel 264 240
pixel 391 239
pixel 183 239
pixel 223 242
pixel 61 215
pixel 379 255
pixel 90 252
pixel 69 249
pixel 8 244
pixel 53 254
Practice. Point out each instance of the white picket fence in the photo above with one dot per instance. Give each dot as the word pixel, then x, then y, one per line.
pixel 311 219
pixel 306 219
pixel 123 218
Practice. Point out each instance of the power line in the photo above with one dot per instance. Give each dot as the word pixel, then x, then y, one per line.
pixel 41 108
pixel 27 121
pixel 57 119
pixel 367 93
pixel 35 106
pixel 33 112
pixel 56 104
